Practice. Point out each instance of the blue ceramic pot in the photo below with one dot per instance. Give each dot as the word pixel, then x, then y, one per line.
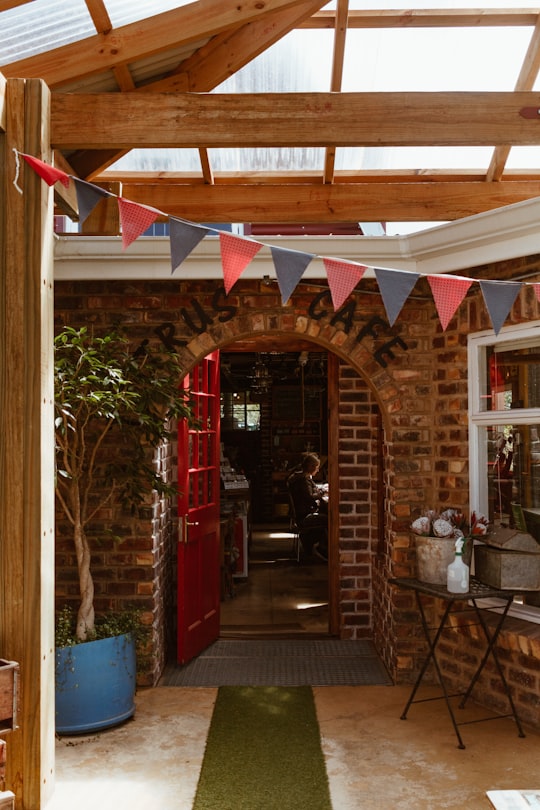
pixel 95 684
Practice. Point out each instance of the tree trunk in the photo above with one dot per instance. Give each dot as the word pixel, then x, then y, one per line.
pixel 85 615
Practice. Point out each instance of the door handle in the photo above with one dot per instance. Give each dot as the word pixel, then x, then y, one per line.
pixel 182 528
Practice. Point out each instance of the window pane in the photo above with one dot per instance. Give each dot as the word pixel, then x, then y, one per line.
pixel 513 454
pixel 512 379
pixel 238 413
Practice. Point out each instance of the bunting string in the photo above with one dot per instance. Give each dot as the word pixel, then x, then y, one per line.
pixel 17 171
pixel 237 252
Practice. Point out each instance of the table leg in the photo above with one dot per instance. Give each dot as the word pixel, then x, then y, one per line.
pixel 491 639
pixel 432 644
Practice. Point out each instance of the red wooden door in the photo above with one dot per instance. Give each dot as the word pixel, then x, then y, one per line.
pixel 198 512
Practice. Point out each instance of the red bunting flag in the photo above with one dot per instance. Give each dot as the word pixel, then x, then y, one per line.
pixel 448 293
pixel 135 219
pixel 537 291
pixel 342 278
pixel 46 171
pixel 236 254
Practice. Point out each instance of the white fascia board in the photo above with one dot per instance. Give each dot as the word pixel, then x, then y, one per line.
pixel 102 257
pixel 504 233
pixel 498 235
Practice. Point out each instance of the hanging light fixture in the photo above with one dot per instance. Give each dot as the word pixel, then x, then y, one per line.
pixel 262 379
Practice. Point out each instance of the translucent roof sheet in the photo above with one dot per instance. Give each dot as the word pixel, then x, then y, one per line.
pixel 385 59
pixel 64 21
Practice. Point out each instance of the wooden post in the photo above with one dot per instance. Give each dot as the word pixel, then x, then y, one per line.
pixel 27 438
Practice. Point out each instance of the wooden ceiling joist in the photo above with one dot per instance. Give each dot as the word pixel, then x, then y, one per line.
pixel 342 202
pixel 105 120
pixel 427 18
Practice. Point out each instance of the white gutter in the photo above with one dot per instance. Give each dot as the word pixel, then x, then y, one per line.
pixel 498 235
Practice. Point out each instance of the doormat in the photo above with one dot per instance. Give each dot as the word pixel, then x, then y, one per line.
pixel 317 662
pixel 263 751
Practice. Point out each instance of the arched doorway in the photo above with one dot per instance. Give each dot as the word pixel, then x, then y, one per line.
pixel 274 411
pixel 355 515
pixel 361 390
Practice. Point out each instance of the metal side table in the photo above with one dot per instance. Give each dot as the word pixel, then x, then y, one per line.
pixel 477 591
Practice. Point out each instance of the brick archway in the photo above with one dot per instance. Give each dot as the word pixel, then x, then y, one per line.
pixel 365 393
pixel 285 325
pixel 377 386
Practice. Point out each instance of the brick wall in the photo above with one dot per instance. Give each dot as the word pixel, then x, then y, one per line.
pixel 141 569
pixel 403 443
pixel 359 477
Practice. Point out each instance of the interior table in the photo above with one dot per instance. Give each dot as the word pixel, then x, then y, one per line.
pixel 477 592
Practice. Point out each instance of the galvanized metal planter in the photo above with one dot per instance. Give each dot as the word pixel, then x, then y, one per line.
pixel 95 684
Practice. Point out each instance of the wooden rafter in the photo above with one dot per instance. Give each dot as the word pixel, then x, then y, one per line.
pixel 7 4
pixel 109 120
pixel 204 43
pixel 525 81
pixel 211 17
pixel 340 34
pixel 102 52
pixel 427 18
pixel 100 16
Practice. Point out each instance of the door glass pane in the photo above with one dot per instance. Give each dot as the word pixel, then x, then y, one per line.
pixel 200 491
pixel 202 455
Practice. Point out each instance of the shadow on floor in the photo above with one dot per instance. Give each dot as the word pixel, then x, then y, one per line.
pixel 280 596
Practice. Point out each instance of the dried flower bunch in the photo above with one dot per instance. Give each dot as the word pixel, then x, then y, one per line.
pixel 450 523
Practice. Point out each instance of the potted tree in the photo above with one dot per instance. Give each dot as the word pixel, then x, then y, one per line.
pixel 113 407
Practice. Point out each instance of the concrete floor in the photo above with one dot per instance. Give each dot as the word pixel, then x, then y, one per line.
pixel 374 759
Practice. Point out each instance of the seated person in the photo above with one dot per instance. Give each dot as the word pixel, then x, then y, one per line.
pixel 309 507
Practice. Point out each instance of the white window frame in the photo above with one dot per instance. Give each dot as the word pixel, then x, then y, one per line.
pixel 512 337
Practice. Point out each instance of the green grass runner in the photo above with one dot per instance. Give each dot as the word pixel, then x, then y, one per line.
pixel 263 752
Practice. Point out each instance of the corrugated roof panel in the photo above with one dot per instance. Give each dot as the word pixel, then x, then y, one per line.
pixel 123 12
pixel 264 159
pixel 424 59
pixel 65 21
pixel 159 160
pixel 300 62
pixel 60 22
pixel 160 64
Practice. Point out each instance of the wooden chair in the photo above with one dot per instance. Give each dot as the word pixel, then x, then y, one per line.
pixel 294 529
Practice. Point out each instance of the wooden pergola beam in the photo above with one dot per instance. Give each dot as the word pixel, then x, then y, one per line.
pixel 120 120
pixel 318 202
